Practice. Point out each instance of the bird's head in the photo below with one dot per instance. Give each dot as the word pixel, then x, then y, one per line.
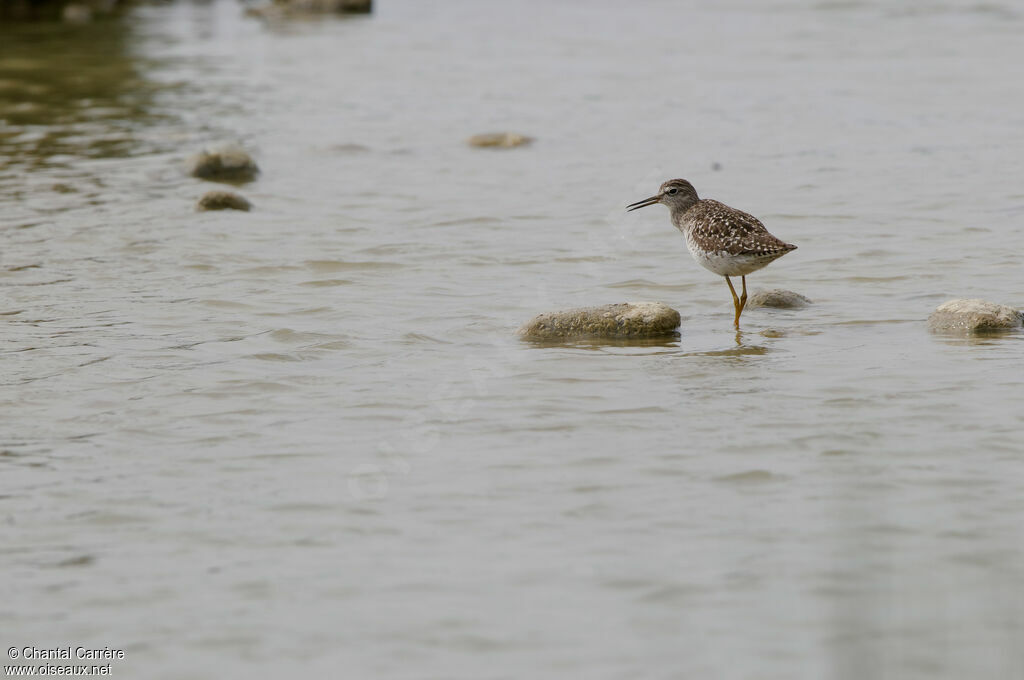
pixel 677 194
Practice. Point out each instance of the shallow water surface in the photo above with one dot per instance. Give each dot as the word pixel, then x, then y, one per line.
pixel 305 440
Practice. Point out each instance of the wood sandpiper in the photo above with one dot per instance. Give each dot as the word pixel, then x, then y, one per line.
pixel 723 240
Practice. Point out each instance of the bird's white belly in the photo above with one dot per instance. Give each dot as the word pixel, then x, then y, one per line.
pixel 725 264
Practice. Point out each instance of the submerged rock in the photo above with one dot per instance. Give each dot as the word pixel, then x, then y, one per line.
pixel 777 298
pixel 501 140
pixel 223 200
pixel 974 316
pixel 356 6
pixel 618 321
pixel 225 163
pixel 284 9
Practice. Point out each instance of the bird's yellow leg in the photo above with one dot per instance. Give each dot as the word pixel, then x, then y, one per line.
pixel 735 303
pixel 743 298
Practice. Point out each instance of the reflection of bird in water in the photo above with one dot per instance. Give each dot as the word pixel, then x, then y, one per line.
pixel 724 240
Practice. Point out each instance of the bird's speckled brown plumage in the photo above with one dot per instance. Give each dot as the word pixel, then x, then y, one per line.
pixel 715 227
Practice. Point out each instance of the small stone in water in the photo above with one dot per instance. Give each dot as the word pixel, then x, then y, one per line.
pixel 974 316
pixel 501 140
pixel 225 163
pixel 617 321
pixel 223 200
pixel 777 298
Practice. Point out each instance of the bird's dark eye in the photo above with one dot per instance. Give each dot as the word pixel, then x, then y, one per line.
pixel 672 191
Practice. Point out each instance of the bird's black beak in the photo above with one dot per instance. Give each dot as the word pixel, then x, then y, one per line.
pixel 643 204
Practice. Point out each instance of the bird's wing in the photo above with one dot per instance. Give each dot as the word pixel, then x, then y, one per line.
pixel 717 227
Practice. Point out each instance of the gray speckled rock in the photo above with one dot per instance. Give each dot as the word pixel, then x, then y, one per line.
pixel 974 316
pixel 223 200
pixel 778 298
pixel 225 163
pixel 618 321
pixel 501 140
